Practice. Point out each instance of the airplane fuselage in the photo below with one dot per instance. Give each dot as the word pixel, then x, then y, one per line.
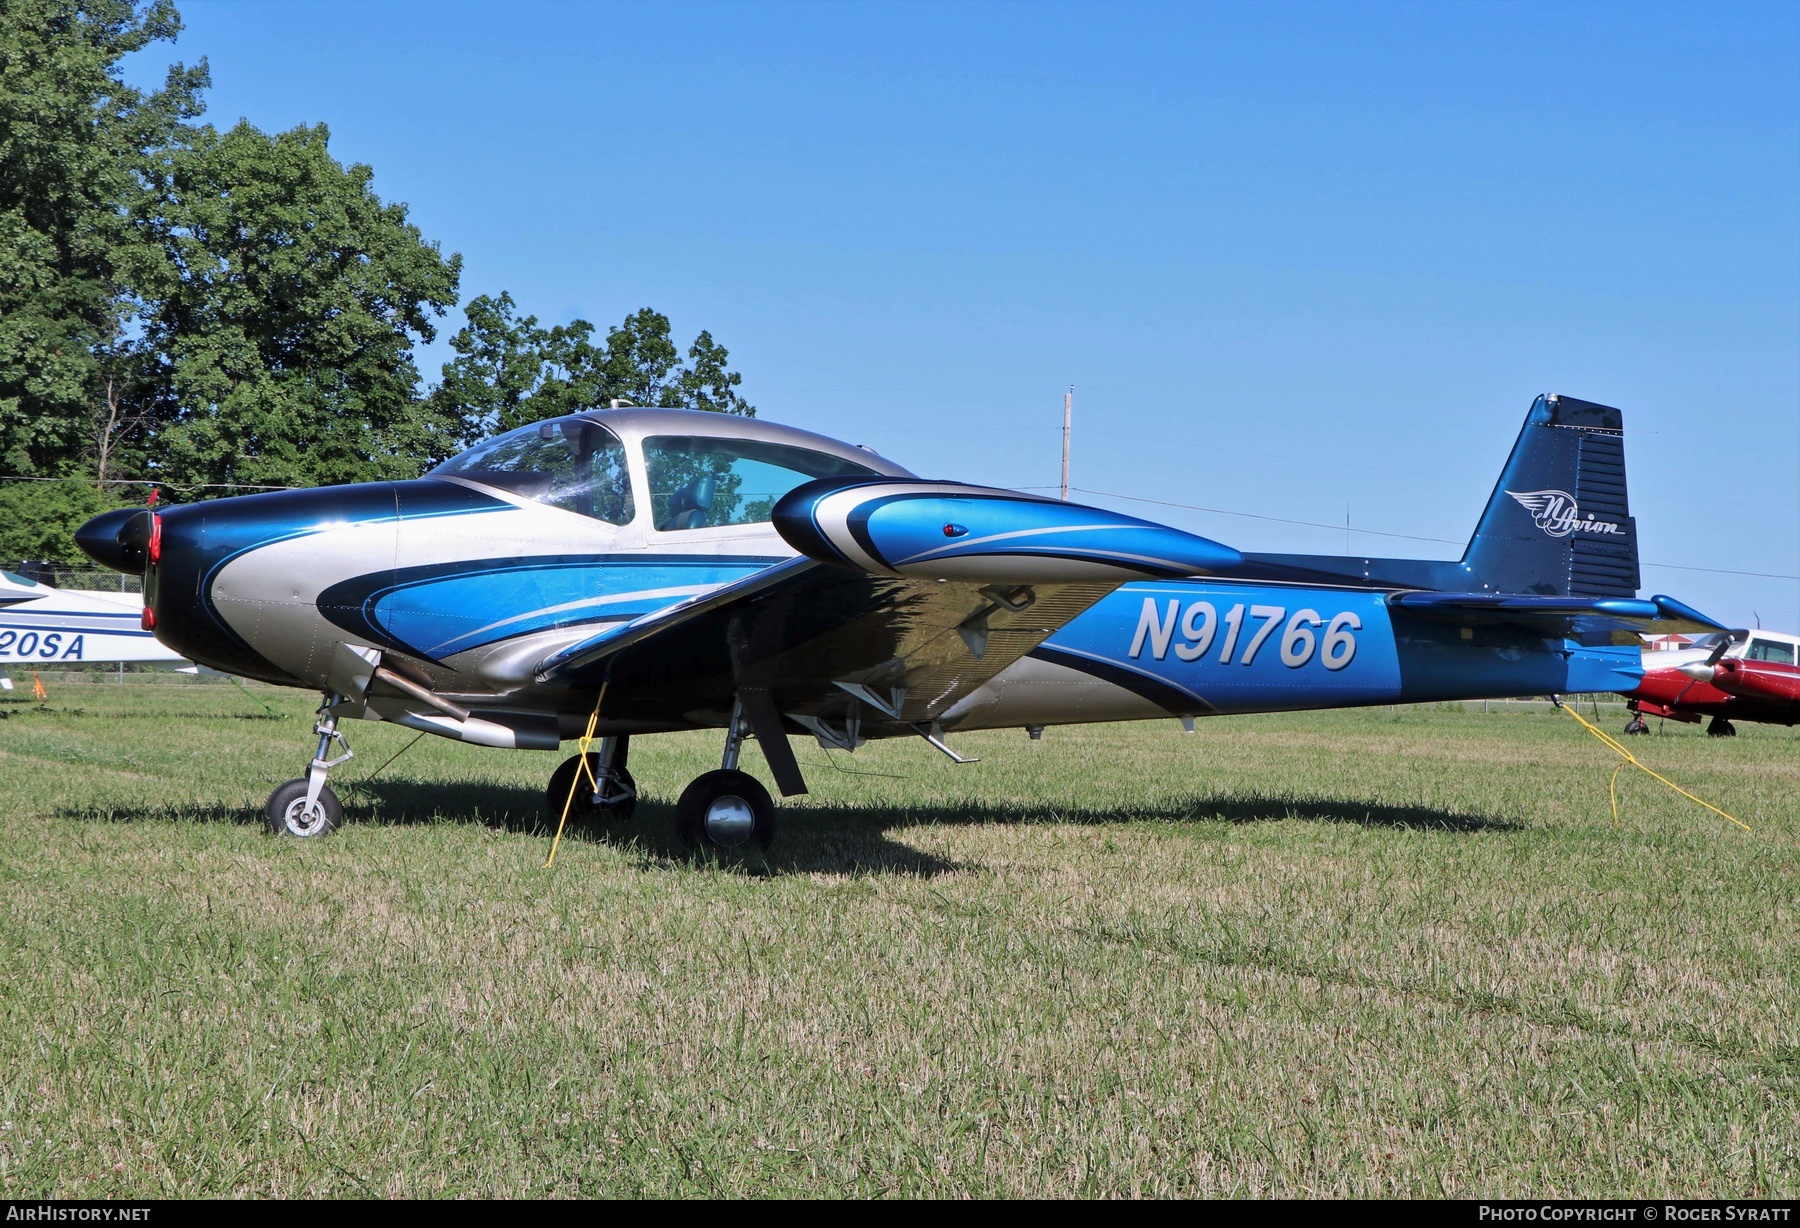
pixel 474 589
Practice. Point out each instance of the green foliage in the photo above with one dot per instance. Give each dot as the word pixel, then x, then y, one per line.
pixel 38 519
pixel 509 370
pixel 75 143
pixel 239 306
pixel 286 318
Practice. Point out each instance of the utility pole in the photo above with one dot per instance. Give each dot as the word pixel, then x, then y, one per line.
pixel 1068 419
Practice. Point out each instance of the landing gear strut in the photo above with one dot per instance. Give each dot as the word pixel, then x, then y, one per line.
pixel 616 799
pixel 307 806
pixel 1719 727
pixel 727 809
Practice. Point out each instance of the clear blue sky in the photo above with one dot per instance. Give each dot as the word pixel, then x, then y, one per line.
pixel 1297 259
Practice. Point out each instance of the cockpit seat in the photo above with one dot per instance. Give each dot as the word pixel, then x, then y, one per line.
pixel 690 506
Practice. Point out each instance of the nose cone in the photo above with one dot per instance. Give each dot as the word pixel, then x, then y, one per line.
pixel 119 540
pixel 1699 671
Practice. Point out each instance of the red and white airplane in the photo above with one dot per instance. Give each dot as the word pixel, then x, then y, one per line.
pixel 1728 676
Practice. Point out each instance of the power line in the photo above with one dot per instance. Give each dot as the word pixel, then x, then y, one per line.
pixel 1219 511
pixel 18 477
pixel 1720 571
pixel 1314 524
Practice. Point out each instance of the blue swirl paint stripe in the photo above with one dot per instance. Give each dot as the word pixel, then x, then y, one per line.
pixel 438 611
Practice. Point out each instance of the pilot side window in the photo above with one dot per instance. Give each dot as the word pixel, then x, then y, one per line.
pixel 702 483
pixel 1772 651
pixel 569 463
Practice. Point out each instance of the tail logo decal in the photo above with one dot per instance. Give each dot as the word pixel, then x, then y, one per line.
pixel 1555 512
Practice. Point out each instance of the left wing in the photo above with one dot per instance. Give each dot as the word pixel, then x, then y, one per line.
pixel 913 595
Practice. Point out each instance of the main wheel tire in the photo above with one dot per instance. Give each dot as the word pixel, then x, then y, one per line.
pixel 285 812
pixel 725 809
pixel 1719 727
pixel 583 809
pixel 1637 724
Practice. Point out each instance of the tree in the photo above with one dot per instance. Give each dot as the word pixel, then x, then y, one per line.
pixel 283 312
pixel 510 371
pixel 75 146
pixel 38 519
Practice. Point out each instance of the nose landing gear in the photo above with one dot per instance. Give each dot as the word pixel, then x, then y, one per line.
pixel 307 807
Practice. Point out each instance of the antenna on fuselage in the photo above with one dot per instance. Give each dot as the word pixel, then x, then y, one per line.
pixel 1068 420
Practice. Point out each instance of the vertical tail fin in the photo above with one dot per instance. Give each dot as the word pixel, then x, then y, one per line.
pixel 1558 522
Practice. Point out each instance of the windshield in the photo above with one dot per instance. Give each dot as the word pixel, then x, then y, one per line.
pixel 701 483
pixel 570 463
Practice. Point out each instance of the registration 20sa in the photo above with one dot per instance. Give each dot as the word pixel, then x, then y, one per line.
pixel 1242 632
pixel 50 646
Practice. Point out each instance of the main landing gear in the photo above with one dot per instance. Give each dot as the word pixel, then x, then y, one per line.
pixel 1719 727
pixel 616 798
pixel 727 809
pixel 724 809
pixel 1637 724
pixel 307 806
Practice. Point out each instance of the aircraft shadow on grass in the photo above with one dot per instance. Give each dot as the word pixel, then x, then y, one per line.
pixel 821 838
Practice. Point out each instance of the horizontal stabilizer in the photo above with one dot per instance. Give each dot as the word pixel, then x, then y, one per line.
pixel 1571 617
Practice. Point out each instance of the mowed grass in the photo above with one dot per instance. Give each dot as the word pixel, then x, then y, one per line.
pixel 1379 952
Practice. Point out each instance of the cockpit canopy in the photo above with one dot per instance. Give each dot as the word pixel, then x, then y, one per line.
pixel 689 480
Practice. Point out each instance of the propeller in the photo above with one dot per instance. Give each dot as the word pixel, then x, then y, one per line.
pixel 1702 671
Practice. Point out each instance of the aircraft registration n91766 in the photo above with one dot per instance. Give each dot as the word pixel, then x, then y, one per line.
pixel 650 570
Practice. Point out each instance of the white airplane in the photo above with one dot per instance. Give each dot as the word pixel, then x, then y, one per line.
pixel 45 626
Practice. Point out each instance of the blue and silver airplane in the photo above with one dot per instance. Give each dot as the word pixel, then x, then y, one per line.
pixel 627 572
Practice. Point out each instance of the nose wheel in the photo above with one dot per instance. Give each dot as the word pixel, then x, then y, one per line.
pixel 288 812
pixel 308 807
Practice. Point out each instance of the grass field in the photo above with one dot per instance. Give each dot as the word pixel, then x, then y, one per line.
pixel 1378 952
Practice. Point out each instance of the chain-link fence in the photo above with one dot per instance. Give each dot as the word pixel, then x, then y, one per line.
pixel 97 579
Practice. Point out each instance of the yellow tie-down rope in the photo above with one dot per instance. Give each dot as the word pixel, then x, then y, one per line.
pixel 586 769
pixel 1631 760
